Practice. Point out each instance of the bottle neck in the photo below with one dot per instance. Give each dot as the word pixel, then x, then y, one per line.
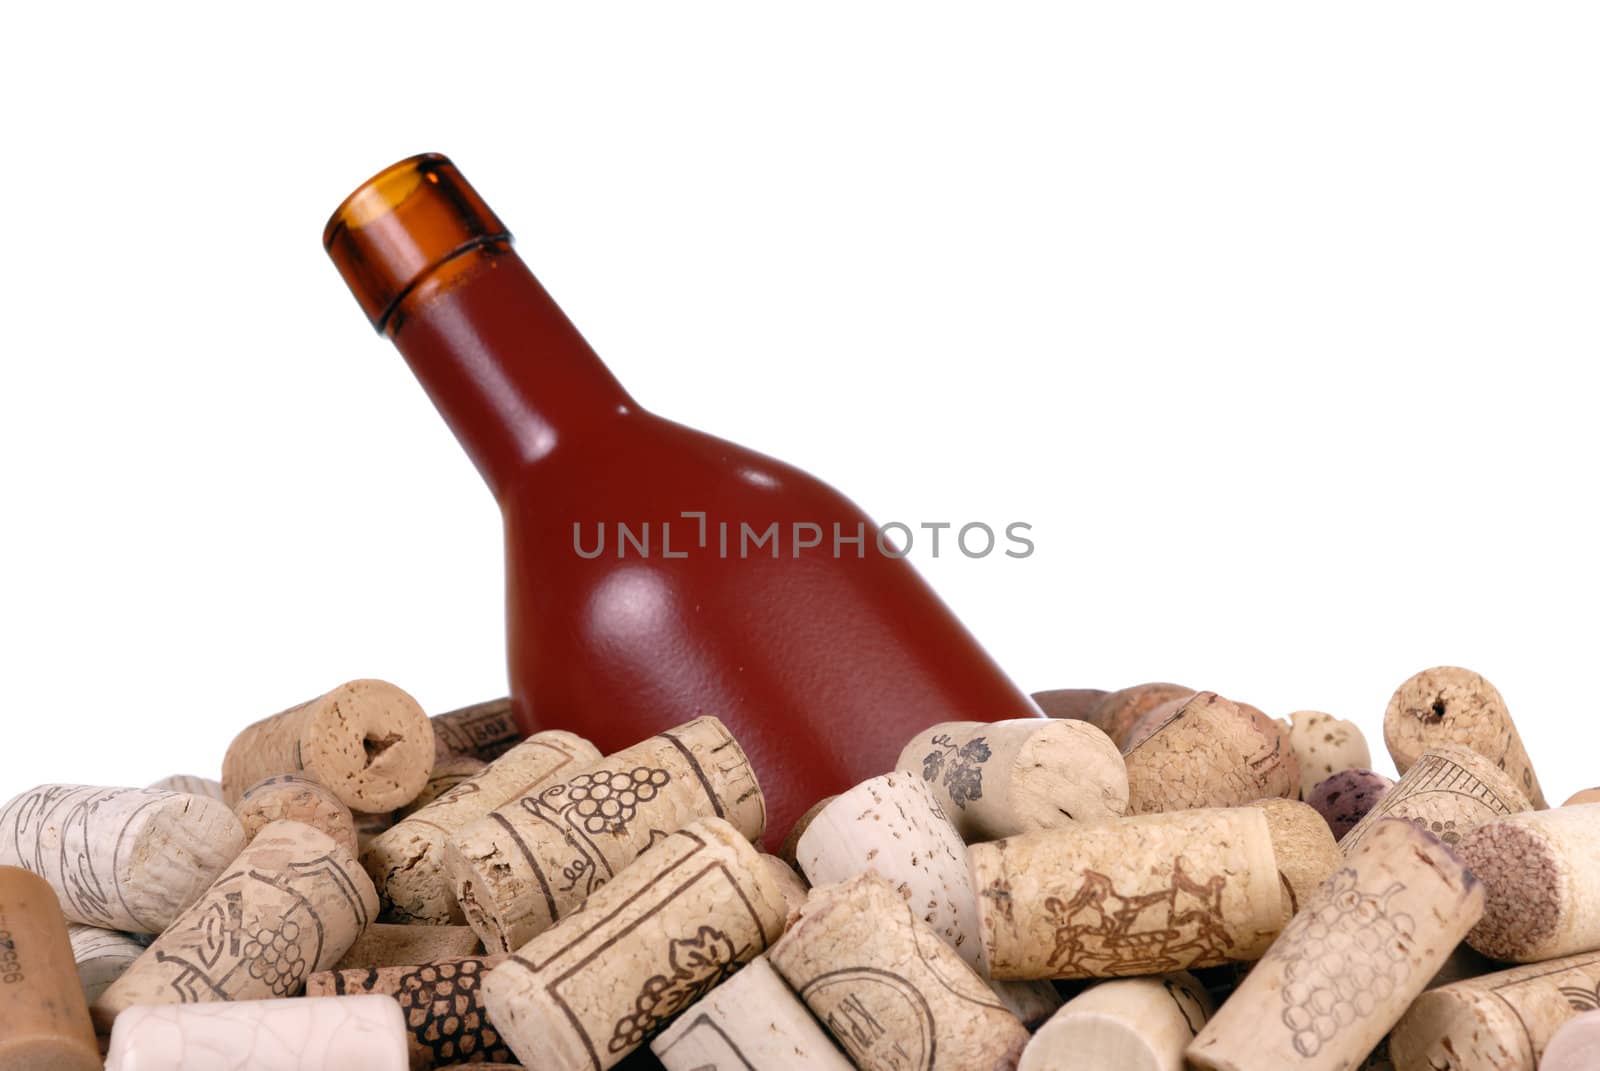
pixel 509 372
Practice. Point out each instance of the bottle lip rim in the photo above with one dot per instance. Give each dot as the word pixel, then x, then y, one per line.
pixel 340 217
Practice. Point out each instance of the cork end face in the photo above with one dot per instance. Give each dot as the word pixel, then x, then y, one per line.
pixel 1068 771
pixel 1527 890
pixel 1440 704
pixel 371 744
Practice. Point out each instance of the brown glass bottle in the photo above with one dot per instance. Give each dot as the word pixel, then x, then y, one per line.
pixel 822 664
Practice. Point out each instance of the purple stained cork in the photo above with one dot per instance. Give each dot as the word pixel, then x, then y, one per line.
pixel 1344 799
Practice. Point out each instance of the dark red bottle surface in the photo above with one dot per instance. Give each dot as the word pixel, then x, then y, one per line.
pixel 641 593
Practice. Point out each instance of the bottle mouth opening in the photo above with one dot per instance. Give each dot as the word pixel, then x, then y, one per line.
pixel 381 193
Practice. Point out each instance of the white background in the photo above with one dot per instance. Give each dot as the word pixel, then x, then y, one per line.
pixel 1278 322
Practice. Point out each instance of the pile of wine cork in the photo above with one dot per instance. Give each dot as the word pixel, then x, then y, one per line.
pixel 1158 878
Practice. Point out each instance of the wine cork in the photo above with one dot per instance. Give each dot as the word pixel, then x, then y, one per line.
pixel 1347 797
pixel 889 990
pixel 791 885
pixel 1499 1022
pixel 998 779
pixel 369 827
pixel 383 944
pixel 1306 853
pixel 1073 703
pixel 442 1003
pixel 535 859
pixel 101 956
pixel 1575 1047
pixel 194 786
pixel 291 904
pixel 1351 961
pixel 753 1020
pixel 44 1022
pixel 1032 1002
pixel 1450 705
pixel 484 731
pixel 787 849
pixel 1129 896
pixel 120 858
pixel 406 861
pixel 366 740
pixel 1588 795
pixel 293 798
pixel 1541 873
pixel 1449 792
pixel 1131 1024
pixel 447 773
pixel 1121 710
pixel 1325 745
pixel 665 931
pixel 893 826
pixel 321 1034
pixel 1210 753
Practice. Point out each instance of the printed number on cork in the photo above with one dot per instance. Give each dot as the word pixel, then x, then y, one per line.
pixel 961 767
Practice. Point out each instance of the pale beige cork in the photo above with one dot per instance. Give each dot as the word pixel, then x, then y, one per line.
pixel 406 861
pixel 128 859
pixel 384 944
pixel 1449 792
pixel 667 930
pixel 101 956
pixel 483 731
pixel 784 878
pixel 1541 871
pixel 1120 711
pixel 1451 705
pixel 889 990
pixel 1303 845
pixel 1211 752
pixel 753 1020
pixel 536 858
pixel 1499 1022
pixel 291 904
pixel 447 773
pixel 366 740
pixel 998 779
pixel 1130 1024
pixel 1575 1047
pixel 1129 896
pixel 1325 745
pixel 442 1002
pixel 1588 795
pixel 294 798
pixel 194 786
pixel 1075 703
pixel 893 826
pixel 1351 962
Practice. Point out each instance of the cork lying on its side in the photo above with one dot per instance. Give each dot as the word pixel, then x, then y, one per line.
pixel 194 786
pixel 1074 703
pixel 484 731
pixel 101 956
pixel 442 1002
pixel 1541 871
pixel 1449 792
pixel 1120 711
pixel 1325 745
pixel 323 1034
pixel 1575 1047
pixel 120 858
pixel 294 798
pixel 791 884
pixel 753 1020
pixel 1130 1024
pixel 384 944
pixel 1210 752
pixel 44 1022
pixel 366 740
pixel 447 773
pixel 1451 705
pixel 889 990
pixel 1306 853
pixel 997 779
pixel 1588 795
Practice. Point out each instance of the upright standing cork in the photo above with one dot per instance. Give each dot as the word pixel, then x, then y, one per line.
pixel 1306 853
pixel 603 981
pixel 101 956
pixel 447 773
pixel 44 1022
pixel 1351 962
pixel 406 861
pixel 120 858
pixel 888 989
pixel 1074 703
pixel 1449 792
pixel 1588 795
pixel 1129 896
pixel 484 730
pixel 366 740
pixel 1210 753
pixel 1131 1024
pixel 194 786
pixel 1450 705
pixel 1347 797
pixel 384 944
pixel 1325 745
pixel 322 1034
pixel 1119 712
pixel 1575 1047
pixel 751 1021
pixel 535 859
pixel 998 779
pixel 293 798
pixel 1541 871
pixel 442 1003
pixel 1499 1022
pixel 289 905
